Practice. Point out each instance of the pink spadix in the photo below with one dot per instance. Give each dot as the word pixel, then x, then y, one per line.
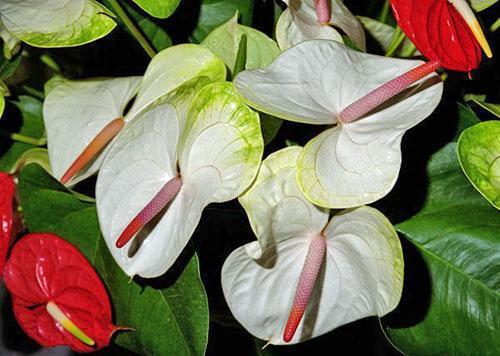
pixel 157 204
pixel 307 281
pixel 323 11
pixel 93 149
pixel 386 91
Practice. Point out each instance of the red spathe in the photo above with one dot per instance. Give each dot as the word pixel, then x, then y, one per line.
pixel 439 32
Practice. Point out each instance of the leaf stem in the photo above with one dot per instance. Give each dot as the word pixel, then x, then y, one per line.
pixel 34 92
pixel 384 13
pixel 28 139
pixel 397 38
pixel 127 21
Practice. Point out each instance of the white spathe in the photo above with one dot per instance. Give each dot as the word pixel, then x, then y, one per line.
pixel 299 22
pixel 218 155
pixel 351 164
pixel 76 111
pixel 362 272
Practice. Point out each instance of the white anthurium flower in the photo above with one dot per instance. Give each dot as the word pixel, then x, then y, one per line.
pixel 155 183
pixel 62 23
pixel 323 82
pixel 82 117
pixel 300 22
pixel 306 276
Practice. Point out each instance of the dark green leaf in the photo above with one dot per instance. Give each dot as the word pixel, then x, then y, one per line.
pixel 215 12
pixel 456 233
pixel 155 34
pixel 29 117
pixel 241 56
pixel 169 320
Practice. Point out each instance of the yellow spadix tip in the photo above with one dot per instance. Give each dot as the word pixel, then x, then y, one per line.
pixel 59 316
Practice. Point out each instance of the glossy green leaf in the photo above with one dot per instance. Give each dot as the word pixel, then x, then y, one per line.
pixel 480 5
pixel 156 34
pixel 28 112
pixel 456 233
pixel 51 24
pixel 479 155
pixel 214 13
pixel 158 8
pixel 224 41
pixel 481 101
pixel 170 320
pixel 383 34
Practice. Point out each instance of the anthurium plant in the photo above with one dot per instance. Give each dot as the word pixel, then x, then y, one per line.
pixel 260 177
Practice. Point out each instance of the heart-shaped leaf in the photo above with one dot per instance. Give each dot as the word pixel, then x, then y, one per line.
pixel 479 154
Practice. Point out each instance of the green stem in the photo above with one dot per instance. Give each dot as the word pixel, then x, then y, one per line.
pixel 397 38
pixel 385 12
pixel 28 139
pixel 33 92
pixel 127 21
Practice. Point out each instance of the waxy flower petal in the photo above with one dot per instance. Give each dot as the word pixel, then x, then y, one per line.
pixel 7 191
pixel 353 163
pixel 299 22
pixel 44 271
pixel 361 273
pixel 76 113
pixel 441 33
pixel 49 23
pixel 218 156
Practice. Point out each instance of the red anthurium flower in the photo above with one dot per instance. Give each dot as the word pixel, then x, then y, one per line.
pixel 7 189
pixel 58 298
pixel 443 30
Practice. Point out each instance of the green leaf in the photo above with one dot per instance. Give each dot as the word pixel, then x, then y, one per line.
pixel 168 321
pixel 8 65
pixel 467 118
pixel 481 101
pixel 480 5
pixel 225 42
pixel 158 8
pixel 479 155
pixel 213 13
pixel 270 125
pixel 383 34
pixel 155 34
pixel 456 233
pixel 30 110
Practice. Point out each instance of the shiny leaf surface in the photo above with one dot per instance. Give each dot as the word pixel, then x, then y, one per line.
pixel 456 233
